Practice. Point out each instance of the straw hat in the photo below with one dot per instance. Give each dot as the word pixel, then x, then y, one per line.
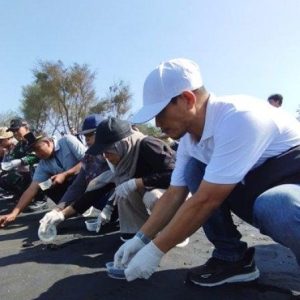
pixel 4 134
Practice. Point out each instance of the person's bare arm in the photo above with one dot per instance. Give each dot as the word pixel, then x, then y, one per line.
pixel 62 177
pixel 164 210
pixel 23 202
pixel 193 214
pixel 68 212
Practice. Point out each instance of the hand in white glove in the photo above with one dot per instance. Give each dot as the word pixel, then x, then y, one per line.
pixel 127 251
pixel 123 190
pixel 7 166
pixel 53 217
pixel 144 263
pixel 106 213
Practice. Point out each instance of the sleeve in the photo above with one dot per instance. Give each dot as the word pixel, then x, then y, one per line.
pixel 182 158
pixel 161 158
pixel 76 147
pixel 90 198
pixel 240 141
pixel 40 173
pixel 74 191
pixel 30 160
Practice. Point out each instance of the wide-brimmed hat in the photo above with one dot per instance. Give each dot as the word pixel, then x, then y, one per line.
pixel 165 82
pixel 15 124
pixel 4 134
pixel 90 123
pixel 108 132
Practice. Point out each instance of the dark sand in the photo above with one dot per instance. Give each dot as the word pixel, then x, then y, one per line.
pixel 74 268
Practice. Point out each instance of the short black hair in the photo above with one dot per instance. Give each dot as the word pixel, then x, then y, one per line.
pixel 276 97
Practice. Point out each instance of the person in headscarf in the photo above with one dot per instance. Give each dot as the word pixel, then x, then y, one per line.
pixel 142 167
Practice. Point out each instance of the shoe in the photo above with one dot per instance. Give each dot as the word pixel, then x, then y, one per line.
pixel 216 271
pixel 37 206
pixel 124 237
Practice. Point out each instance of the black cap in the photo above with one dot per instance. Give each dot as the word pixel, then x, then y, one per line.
pixel 108 132
pixel 15 124
pixel 31 140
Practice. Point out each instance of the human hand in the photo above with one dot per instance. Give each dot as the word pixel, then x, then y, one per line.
pixel 127 251
pixel 54 217
pixel 9 165
pixel 5 219
pixel 58 178
pixel 124 189
pixel 144 263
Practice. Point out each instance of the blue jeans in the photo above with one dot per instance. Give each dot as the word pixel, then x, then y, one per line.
pixel 276 213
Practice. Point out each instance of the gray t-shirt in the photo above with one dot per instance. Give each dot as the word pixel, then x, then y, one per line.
pixel 68 151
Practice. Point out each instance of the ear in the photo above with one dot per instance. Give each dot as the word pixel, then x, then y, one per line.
pixel 190 98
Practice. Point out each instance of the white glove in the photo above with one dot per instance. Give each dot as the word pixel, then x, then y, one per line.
pixel 106 213
pixel 7 166
pixel 144 263
pixel 127 251
pixel 123 190
pixel 53 217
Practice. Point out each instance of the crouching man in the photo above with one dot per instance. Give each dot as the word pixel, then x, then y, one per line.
pixel 236 154
pixel 59 161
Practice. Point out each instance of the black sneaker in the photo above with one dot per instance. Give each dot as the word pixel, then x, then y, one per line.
pixel 126 236
pixel 217 271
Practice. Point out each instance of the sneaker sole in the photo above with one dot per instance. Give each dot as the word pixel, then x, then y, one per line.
pixel 237 278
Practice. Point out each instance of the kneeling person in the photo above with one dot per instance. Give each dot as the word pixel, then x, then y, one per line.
pixel 59 161
pixel 142 167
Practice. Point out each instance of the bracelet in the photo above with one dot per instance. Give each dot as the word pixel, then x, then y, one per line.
pixel 143 237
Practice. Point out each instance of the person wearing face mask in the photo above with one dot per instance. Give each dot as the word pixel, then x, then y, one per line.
pixel 142 167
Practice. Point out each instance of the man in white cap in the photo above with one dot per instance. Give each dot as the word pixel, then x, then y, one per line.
pixel 236 154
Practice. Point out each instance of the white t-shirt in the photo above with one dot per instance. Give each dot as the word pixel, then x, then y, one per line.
pixel 239 134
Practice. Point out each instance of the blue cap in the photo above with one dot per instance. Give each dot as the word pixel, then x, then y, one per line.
pixel 90 123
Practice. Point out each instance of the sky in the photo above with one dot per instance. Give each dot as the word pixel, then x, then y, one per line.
pixel 243 47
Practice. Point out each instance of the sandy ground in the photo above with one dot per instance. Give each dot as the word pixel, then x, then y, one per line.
pixel 74 268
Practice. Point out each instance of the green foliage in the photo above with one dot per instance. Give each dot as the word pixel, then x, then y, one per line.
pixel 61 97
pixel 116 103
pixel 149 129
pixel 5 118
pixel 35 106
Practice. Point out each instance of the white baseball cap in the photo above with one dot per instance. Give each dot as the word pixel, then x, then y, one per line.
pixel 166 81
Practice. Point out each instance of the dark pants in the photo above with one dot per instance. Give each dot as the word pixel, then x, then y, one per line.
pixel 97 198
pixel 56 192
pixel 253 201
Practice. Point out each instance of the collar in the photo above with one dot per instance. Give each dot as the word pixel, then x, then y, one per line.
pixel 56 144
pixel 209 119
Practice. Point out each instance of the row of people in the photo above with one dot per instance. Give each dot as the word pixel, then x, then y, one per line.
pixel 140 166
pixel 236 154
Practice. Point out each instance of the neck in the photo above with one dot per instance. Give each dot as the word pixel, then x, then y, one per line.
pixel 199 118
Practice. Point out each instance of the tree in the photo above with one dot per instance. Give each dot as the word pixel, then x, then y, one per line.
pixel 61 97
pixel 116 103
pixel 149 129
pixel 298 113
pixel 35 106
pixel 5 117
pixel 69 91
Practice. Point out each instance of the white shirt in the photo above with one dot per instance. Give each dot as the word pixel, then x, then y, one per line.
pixel 239 134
